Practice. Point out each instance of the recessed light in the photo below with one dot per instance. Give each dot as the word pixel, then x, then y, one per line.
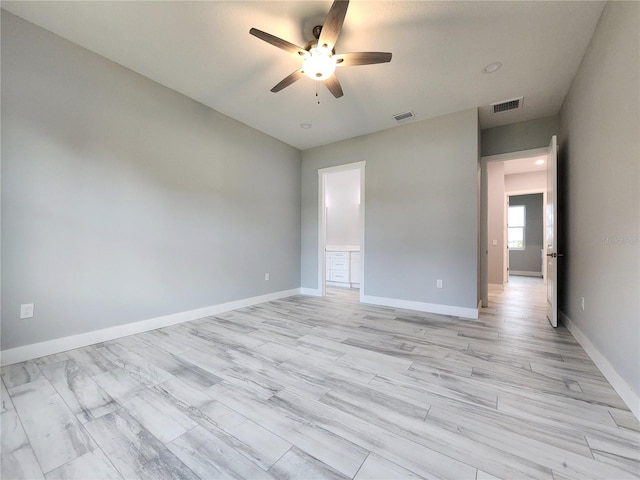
pixel 540 161
pixel 492 67
pixel 306 126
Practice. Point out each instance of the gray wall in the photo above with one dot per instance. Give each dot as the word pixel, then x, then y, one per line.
pixel 519 136
pixel 599 156
pixel 420 209
pixel 529 259
pixel 495 222
pixel 123 200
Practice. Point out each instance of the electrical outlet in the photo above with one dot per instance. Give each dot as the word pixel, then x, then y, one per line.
pixel 582 303
pixel 266 276
pixel 438 283
pixel 26 310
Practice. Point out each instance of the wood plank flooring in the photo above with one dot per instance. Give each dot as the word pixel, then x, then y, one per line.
pixel 329 388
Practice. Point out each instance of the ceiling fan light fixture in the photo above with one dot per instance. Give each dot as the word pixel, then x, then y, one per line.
pixel 319 64
pixel 319 58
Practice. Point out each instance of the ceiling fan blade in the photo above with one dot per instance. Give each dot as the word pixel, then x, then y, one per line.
pixel 295 76
pixel 334 86
pixel 333 24
pixel 278 42
pixel 361 58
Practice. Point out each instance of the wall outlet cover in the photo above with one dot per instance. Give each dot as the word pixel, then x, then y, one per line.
pixel 26 310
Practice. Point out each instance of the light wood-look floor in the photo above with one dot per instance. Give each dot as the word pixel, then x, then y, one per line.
pixel 309 387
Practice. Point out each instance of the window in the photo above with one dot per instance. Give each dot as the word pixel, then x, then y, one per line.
pixel 515 224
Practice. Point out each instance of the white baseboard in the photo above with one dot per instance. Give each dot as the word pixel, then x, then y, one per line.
pixel 523 273
pixel 421 306
pixel 338 284
pixel 49 347
pixel 312 292
pixel 630 398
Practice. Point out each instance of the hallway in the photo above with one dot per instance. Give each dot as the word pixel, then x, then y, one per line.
pixel 523 298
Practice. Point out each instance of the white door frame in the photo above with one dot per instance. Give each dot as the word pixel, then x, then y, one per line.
pixel 484 210
pixel 533 191
pixel 322 222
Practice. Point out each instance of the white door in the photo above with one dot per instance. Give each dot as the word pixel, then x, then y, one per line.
pixel 552 232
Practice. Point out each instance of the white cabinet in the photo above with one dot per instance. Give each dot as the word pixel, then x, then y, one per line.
pixel 343 268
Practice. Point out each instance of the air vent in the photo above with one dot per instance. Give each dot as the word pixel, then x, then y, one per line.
pixel 403 116
pixel 505 106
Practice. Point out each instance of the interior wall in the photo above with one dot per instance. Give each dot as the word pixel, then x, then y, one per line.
pixel 421 209
pixel 342 191
pixel 600 177
pixel 519 136
pixel 529 260
pixel 496 221
pixel 123 200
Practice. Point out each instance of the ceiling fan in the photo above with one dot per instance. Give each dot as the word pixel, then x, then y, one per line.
pixel 319 58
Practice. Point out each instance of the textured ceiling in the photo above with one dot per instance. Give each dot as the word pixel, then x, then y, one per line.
pixel 204 50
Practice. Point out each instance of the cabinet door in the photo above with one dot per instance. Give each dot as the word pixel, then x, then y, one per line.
pixel 339 264
pixel 355 269
pixel 339 276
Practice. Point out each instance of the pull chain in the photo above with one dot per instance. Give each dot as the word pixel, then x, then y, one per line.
pixel 317 96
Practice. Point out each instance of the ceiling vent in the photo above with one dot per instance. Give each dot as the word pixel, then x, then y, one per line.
pixel 507 105
pixel 403 116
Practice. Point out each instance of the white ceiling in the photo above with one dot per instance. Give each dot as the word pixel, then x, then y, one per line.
pixel 525 165
pixel 204 50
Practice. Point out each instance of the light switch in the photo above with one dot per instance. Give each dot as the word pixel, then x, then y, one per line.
pixel 495 243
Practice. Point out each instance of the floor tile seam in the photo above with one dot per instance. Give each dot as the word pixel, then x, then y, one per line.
pixel 637 432
pixel 338 393
pixel 501 452
pixel 585 403
pixel 543 462
pixel 8 395
pixel 241 442
pixel 31 362
pixel 99 447
pixel 268 470
pixel 547 388
pixel 448 394
pixel 265 427
pixel 594 429
pixel 362 441
pixel 533 350
pixel 577 437
pixel 411 401
pixel 363 462
pixel 142 427
pixel 26 436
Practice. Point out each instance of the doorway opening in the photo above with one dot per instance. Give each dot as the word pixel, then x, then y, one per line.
pixel 492 174
pixel 341 204
pixel 525 235
pixel 512 174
